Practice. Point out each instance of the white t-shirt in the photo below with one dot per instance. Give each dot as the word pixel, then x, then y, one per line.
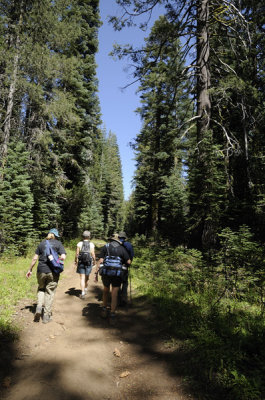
pixel 92 246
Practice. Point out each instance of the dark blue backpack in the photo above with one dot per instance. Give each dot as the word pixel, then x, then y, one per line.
pixel 54 261
pixel 112 265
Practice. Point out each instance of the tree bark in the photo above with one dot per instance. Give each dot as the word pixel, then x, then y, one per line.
pixel 203 103
pixel 11 93
pixel 203 78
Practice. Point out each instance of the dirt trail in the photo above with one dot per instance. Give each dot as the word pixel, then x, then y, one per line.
pixel 72 357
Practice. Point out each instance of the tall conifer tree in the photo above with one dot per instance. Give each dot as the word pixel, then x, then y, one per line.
pixel 158 146
pixel 16 201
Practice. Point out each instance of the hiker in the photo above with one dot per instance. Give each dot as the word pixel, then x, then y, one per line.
pixel 47 279
pixel 115 254
pixel 123 292
pixel 84 259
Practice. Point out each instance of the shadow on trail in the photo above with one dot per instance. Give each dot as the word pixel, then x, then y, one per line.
pixel 137 324
pixel 7 355
pixel 76 292
pixel 44 381
pixel 73 292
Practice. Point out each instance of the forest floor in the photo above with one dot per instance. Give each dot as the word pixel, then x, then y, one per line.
pixel 80 356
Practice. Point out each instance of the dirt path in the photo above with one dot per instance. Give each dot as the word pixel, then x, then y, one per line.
pixel 72 357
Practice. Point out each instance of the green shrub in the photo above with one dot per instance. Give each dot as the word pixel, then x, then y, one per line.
pixel 217 309
pixel 14 285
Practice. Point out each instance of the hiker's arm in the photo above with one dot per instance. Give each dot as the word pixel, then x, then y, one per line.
pixel 77 254
pixel 100 261
pixel 128 263
pixel 93 257
pixel 33 262
pixel 62 256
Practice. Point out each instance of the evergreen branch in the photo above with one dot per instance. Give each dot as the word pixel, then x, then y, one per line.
pixel 232 142
pixel 223 63
pixel 229 4
pixel 130 84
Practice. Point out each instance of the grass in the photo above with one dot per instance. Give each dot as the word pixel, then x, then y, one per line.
pixel 222 335
pixel 15 286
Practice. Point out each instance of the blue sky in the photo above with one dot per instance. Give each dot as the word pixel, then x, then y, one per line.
pixel 118 106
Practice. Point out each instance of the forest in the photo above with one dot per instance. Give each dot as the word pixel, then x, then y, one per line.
pixel 197 211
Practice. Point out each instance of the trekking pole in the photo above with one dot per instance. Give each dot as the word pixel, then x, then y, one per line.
pixel 130 278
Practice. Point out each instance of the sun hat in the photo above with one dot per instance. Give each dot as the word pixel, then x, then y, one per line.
pixel 114 237
pixel 55 232
pixel 122 235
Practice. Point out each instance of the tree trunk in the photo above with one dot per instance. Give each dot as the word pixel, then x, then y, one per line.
pixel 203 79
pixel 203 104
pixel 11 93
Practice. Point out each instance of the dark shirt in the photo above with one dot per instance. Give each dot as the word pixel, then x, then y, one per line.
pixel 115 249
pixel 43 260
pixel 128 246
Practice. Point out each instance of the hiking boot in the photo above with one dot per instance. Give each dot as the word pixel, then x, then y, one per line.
pixel 82 297
pixel 104 313
pixel 46 318
pixel 37 314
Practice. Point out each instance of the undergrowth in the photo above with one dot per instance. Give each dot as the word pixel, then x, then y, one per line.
pixel 215 305
pixel 14 287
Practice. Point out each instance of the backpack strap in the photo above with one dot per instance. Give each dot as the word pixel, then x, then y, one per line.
pixel 107 247
pixel 48 248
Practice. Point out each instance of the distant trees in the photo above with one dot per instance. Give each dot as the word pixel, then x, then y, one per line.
pixel 223 44
pixel 49 108
pixel 199 153
pixel 159 187
pixel 111 185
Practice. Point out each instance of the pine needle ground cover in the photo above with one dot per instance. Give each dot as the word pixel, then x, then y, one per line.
pixel 215 310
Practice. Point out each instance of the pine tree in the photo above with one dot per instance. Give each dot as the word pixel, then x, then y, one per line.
pixel 207 27
pixel 159 149
pixel 48 85
pixel 111 186
pixel 16 202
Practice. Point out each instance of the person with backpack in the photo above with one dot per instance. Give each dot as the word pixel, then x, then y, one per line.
pixel 47 278
pixel 113 256
pixel 84 259
pixel 123 292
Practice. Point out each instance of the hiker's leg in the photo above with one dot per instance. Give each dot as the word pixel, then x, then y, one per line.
pixel 124 289
pixel 105 295
pixel 86 281
pixel 114 298
pixel 41 277
pixel 88 272
pixel 52 283
pixel 82 282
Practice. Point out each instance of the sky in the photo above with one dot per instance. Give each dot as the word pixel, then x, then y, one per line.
pixel 118 106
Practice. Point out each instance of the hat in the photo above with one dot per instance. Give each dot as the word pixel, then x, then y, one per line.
pixel 86 234
pixel 114 237
pixel 122 235
pixel 55 232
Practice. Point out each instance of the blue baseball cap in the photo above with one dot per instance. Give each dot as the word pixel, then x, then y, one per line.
pixel 55 232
